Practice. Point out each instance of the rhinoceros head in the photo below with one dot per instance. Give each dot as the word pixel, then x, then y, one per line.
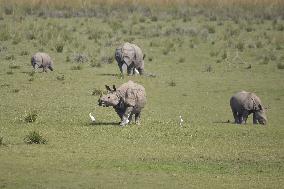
pixel 260 115
pixel 110 99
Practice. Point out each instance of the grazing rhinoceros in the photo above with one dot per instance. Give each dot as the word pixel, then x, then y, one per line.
pixel 128 99
pixel 130 56
pixel 42 60
pixel 244 103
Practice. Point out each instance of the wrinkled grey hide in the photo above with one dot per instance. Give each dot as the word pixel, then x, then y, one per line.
pixel 245 103
pixel 128 100
pixel 42 60
pixel 131 56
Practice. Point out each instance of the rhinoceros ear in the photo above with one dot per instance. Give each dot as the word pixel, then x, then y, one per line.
pixel 107 88
pixel 114 88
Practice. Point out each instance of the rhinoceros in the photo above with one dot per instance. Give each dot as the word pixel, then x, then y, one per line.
pixel 128 100
pixel 243 104
pixel 130 56
pixel 42 60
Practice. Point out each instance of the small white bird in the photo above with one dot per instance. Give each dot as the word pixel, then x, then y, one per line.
pixel 92 117
pixel 180 121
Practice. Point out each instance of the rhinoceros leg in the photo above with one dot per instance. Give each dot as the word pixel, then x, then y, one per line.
pixel 235 114
pixel 254 119
pixel 44 69
pixel 137 118
pixel 245 117
pixel 141 71
pixel 130 69
pixel 126 115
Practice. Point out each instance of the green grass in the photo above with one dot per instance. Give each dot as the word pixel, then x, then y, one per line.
pixel 199 64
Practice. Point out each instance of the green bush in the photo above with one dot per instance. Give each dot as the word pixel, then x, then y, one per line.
pixel 31 117
pixel 34 138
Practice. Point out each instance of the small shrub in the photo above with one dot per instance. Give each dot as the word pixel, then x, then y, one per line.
pixel 280 27
pixel 30 35
pixel 280 66
pixel 77 67
pixel 107 59
pixel 142 19
pixel 240 46
pixel 154 18
pixel 224 55
pixel 32 73
pixel 213 18
pixel 3 48
pixel 210 28
pixel 24 53
pixel 14 66
pixel 9 72
pixel 80 58
pixel 250 29
pixel 172 83
pixel 181 60
pixel 68 59
pixel 16 40
pixel 10 57
pixel 60 77
pixel 31 79
pixel 59 47
pixel 31 117
pixel 34 138
pixel 150 59
pixel 209 68
pixel 8 9
pixel 259 44
pixel 214 53
pixel 97 65
pixel 166 51
pixel 97 92
pixel 15 90
pixel 265 60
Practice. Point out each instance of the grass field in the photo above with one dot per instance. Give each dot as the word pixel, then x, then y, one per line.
pixel 201 57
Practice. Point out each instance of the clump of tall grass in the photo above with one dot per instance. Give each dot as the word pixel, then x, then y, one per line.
pixel 172 83
pixel 77 67
pixel 14 66
pixel 80 58
pixel 10 72
pixel 98 92
pixel 10 57
pixel 24 53
pixel 15 90
pixel 107 59
pixel 34 138
pixel 30 117
pixel 59 47
pixel 60 77
pixel 280 65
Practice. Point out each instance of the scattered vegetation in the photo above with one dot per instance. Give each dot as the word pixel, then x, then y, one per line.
pixel 34 138
pixel 172 83
pixel 201 53
pixel 280 65
pixel 77 67
pixel 31 117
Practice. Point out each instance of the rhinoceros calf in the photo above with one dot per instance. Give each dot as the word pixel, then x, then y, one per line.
pixel 128 100
pixel 243 104
pixel 42 60
pixel 131 56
